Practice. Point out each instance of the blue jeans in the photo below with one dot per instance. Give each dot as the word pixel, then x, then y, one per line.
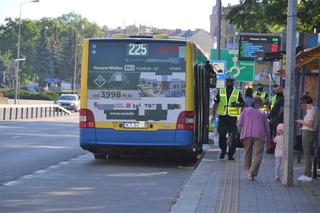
pixel 277 166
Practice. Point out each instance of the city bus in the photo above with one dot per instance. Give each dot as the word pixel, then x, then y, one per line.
pixel 142 94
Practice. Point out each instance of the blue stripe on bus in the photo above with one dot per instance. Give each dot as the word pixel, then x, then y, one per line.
pixel 179 138
pixel 87 136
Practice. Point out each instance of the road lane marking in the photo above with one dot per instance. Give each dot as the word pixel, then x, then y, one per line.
pixel 16 137
pixel 11 183
pixel 44 135
pixel 43 171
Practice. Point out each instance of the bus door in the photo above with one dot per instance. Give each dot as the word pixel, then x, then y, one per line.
pixel 204 80
pixel 201 105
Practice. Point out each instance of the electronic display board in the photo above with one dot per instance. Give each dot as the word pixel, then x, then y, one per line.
pixel 252 47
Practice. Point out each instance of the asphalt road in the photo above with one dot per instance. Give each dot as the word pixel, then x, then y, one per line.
pixel 43 169
pixel 29 146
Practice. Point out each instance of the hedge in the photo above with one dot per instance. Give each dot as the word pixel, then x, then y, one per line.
pixel 25 94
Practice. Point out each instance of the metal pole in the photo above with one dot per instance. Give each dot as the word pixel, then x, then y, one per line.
pixel 218 5
pixel 317 145
pixel 18 52
pixel 17 60
pixel 289 94
pixel 75 63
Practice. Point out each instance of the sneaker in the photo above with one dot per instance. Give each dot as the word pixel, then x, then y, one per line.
pixel 230 157
pixel 277 178
pixel 250 177
pixel 222 156
pixel 305 178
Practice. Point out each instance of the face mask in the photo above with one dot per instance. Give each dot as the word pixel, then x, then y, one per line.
pixel 260 89
pixel 279 94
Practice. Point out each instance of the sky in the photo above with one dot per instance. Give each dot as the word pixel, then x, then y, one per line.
pixel 168 14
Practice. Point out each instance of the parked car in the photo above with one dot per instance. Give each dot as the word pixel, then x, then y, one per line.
pixel 69 101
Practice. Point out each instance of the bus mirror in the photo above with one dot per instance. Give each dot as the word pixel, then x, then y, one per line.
pixel 211 75
pixel 212 79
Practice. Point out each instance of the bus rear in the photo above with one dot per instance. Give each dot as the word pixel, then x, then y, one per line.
pixel 136 94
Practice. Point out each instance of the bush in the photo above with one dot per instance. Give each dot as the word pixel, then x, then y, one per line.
pixel 25 94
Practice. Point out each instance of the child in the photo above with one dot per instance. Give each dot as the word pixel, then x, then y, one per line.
pixel 278 150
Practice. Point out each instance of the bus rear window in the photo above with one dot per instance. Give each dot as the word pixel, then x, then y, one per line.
pixel 124 65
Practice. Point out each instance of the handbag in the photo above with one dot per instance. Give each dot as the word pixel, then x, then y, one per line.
pixel 234 140
pixel 271 146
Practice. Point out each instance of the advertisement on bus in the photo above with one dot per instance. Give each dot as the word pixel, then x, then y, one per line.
pixel 140 82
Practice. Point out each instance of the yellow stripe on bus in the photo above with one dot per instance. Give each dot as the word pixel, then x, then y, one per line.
pixel 84 75
pixel 155 126
pixel 120 35
pixel 189 55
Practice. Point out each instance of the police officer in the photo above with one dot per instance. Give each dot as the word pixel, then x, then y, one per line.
pixel 228 103
pixel 274 97
pixel 263 95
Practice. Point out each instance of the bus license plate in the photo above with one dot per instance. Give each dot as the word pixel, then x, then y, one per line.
pixel 135 125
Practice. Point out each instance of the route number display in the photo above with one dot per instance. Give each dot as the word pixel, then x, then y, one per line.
pixel 137 49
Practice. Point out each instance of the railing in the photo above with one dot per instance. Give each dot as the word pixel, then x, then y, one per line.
pixel 17 112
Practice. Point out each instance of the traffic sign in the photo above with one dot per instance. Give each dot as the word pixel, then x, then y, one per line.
pixel 240 70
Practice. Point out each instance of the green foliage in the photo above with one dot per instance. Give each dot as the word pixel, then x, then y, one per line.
pixel 43 62
pixel 210 129
pixel 49 45
pixel 270 16
pixel 25 94
pixel 308 15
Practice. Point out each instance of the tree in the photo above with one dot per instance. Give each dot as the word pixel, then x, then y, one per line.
pixel 308 15
pixel 76 29
pixel 9 39
pixel 6 68
pixel 43 63
pixel 56 48
pixel 50 45
pixel 270 16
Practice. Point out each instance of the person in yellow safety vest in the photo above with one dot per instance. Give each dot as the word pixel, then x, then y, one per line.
pixel 263 95
pixel 274 97
pixel 228 104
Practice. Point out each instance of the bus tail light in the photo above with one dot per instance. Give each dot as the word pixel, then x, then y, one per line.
pixel 185 120
pixel 86 119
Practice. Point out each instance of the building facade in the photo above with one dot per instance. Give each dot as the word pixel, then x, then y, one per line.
pixel 228 31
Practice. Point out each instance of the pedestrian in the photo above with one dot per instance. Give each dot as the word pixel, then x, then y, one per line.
pixel 248 98
pixel 276 113
pixel 263 95
pixel 255 132
pixel 278 151
pixel 309 130
pixel 275 117
pixel 274 97
pixel 228 104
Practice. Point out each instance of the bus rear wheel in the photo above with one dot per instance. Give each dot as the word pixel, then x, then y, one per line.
pixel 99 156
pixel 191 157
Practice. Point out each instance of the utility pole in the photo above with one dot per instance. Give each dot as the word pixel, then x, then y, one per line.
pixel 218 5
pixel 289 94
pixel 16 86
pixel 75 64
pixel 17 83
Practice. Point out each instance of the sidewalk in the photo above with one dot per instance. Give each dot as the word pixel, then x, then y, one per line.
pixel 222 187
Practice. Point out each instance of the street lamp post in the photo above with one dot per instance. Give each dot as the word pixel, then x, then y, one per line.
pixel 18 52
